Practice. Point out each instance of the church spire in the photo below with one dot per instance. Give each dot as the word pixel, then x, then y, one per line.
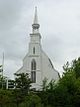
pixel 35 24
pixel 35 17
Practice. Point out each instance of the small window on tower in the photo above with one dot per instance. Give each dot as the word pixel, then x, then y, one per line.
pixel 34 50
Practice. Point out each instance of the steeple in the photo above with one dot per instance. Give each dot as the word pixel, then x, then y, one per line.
pixel 35 16
pixel 35 25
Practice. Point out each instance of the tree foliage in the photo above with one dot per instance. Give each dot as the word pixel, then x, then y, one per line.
pixel 23 82
pixel 64 93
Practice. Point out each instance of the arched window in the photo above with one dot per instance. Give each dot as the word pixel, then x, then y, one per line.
pixel 33 65
pixel 33 50
pixel 33 71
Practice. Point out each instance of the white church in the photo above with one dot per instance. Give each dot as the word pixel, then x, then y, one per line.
pixel 36 63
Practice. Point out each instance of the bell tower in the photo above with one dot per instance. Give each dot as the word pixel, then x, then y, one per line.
pixel 35 37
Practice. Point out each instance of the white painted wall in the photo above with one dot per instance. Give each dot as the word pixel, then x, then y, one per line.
pixel 44 67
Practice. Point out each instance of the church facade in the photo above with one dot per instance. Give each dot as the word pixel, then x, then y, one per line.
pixel 36 63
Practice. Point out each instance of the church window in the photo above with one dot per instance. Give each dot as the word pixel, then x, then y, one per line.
pixel 33 76
pixel 34 50
pixel 33 65
pixel 33 71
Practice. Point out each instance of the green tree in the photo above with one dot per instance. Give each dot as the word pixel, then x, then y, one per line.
pixel 23 82
pixel 2 82
pixel 5 98
pixel 67 94
pixel 33 100
pixel 22 88
pixel 46 93
pixel 76 67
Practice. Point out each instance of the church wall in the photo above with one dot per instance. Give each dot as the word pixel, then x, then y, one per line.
pixel 27 66
pixel 48 71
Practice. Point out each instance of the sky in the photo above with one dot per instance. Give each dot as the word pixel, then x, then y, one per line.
pixel 59 27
